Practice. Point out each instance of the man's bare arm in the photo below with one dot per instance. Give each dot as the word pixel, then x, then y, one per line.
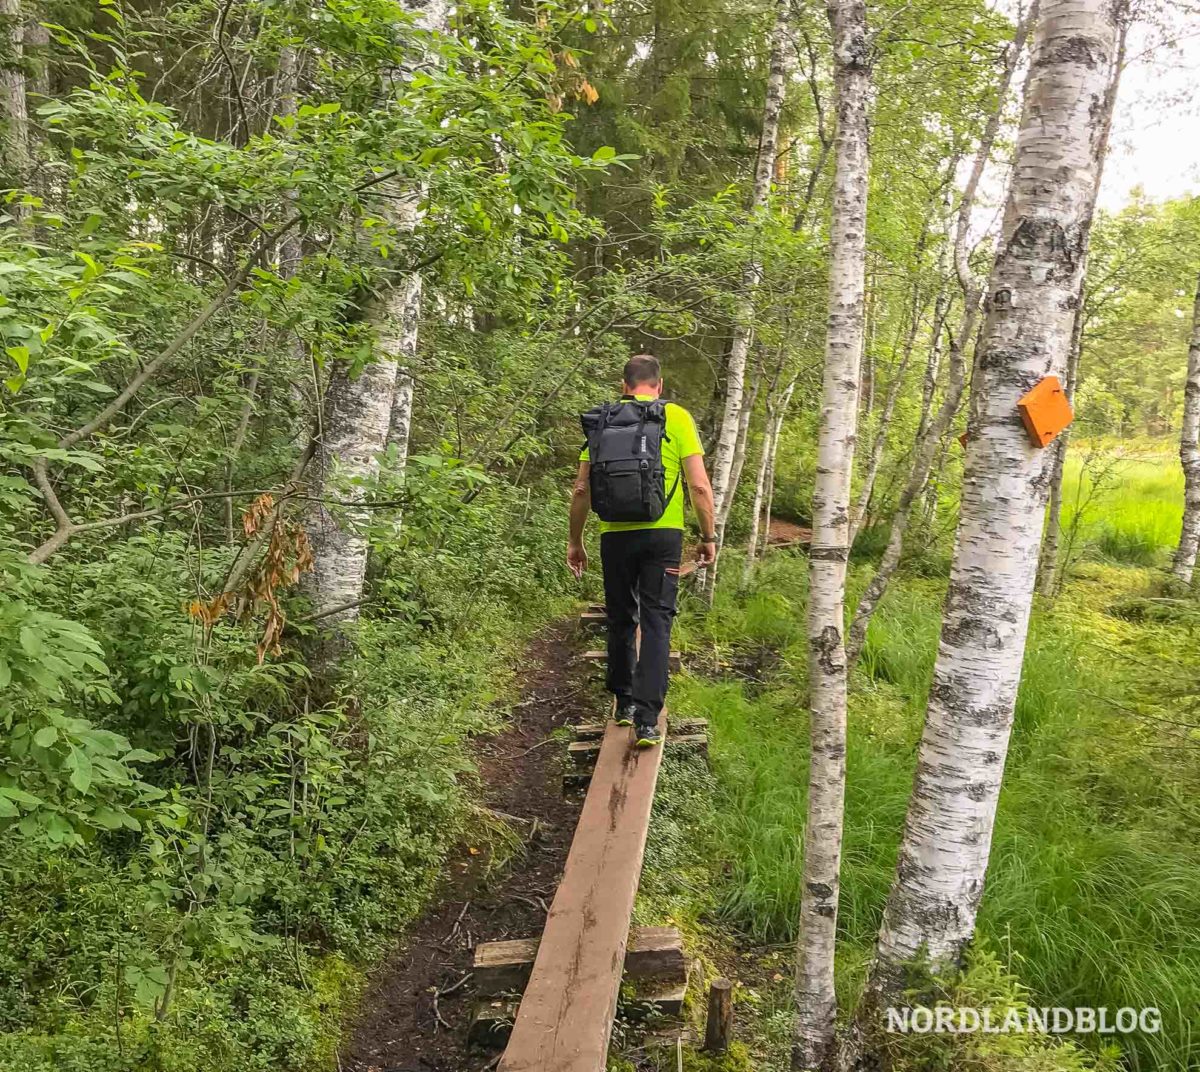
pixel 581 504
pixel 701 492
pixel 702 502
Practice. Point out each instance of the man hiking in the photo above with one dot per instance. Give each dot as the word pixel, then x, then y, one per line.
pixel 639 449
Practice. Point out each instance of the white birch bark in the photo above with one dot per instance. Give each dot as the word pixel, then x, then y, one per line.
pixel 776 408
pixel 1047 576
pixel 769 504
pixel 709 576
pixel 816 1002
pixel 14 117
pixel 936 430
pixel 357 418
pixel 404 316
pixel 723 481
pixel 1189 456
pixel 1048 572
pixel 1034 288
pixel 353 434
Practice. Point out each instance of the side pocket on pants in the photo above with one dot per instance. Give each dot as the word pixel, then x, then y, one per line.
pixel 670 589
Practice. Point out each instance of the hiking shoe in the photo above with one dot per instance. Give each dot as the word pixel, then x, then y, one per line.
pixel 625 713
pixel 647 736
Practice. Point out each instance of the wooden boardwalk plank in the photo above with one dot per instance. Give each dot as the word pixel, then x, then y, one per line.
pixel 566 1015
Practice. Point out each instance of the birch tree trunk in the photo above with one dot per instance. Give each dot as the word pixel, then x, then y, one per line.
pixel 1189 455
pixel 816 1002
pixel 739 460
pixel 357 418
pixel 1048 573
pixel 936 430
pixel 1034 289
pixel 400 341
pixel 768 504
pixel 723 477
pixel 14 117
pixel 879 440
pixel 776 407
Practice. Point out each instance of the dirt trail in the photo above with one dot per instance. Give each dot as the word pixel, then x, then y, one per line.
pixel 416 1010
pixel 785 532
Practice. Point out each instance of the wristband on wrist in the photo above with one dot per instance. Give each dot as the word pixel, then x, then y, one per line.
pixel 708 539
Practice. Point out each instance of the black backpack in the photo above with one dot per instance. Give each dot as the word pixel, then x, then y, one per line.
pixel 624 442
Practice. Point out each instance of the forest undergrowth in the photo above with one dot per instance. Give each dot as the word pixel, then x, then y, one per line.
pixel 236 931
pixel 1093 855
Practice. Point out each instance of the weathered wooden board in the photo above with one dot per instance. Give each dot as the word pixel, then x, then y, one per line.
pixel 504 967
pixel 585 753
pixel 566 1015
pixel 591 622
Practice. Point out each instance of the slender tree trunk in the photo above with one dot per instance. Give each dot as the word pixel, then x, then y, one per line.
pixel 816 1002
pixel 739 461
pixel 1048 573
pixel 1189 455
pixel 1048 562
pixel 723 481
pixel 768 504
pixel 357 421
pixel 879 440
pixel 776 408
pixel 401 339
pixel 1034 289
pixel 291 248
pixel 937 428
pixel 14 117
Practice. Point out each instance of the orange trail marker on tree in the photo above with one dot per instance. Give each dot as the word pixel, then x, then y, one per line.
pixel 1045 411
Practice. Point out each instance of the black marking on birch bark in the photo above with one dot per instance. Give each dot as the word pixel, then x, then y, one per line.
pixel 995 716
pixel 828 646
pixel 821 890
pixel 1086 51
pixel 858 52
pixel 1041 241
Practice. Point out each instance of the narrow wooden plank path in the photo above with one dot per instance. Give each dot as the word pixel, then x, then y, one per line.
pixel 566 1015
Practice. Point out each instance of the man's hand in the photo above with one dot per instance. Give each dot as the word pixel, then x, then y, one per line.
pixel 706 553
pixel 576 558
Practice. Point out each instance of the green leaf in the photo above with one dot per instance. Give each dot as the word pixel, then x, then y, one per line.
pixel 81 770
pixel 45 737
pixel 20 354
pixel 109 818
pixel 11 792
pixel 31 643
pixel 605 152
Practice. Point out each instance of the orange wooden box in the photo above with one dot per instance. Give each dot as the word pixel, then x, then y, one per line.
pixel 1045 411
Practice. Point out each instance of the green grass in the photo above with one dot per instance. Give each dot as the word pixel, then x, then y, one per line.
pixel 1092 893
pixel 1127 507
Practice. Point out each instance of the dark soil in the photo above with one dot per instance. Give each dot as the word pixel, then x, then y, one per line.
pixel 417 1007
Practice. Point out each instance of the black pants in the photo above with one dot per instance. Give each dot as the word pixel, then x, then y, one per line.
pixel 641 582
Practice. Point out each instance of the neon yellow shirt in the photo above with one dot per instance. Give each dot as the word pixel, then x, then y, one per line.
pixel 681 441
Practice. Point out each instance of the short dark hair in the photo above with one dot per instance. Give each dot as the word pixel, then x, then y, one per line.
pixel 642 368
